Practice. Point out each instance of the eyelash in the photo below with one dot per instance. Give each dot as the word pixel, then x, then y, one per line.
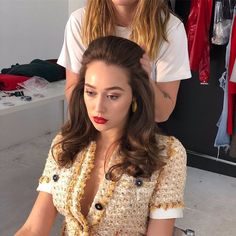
pixel 113 97
pixel 89 93
pixel 92 94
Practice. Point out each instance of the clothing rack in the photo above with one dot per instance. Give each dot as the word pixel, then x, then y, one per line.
pixel 196 99
pixel 211 157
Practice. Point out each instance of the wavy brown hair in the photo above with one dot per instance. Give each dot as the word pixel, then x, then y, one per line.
pixel 138 144
pixel 148 25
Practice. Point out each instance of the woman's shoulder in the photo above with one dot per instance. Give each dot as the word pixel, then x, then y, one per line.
pixel 167 140
pixel 56 146
pixel 170 145
pixel 174 23
pixel 78 14
pixel 57 138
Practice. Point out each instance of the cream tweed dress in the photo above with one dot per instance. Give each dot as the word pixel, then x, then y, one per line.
pixel 119 208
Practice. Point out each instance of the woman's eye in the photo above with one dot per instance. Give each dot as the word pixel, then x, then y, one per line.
pixel 113 97
pixel 90 93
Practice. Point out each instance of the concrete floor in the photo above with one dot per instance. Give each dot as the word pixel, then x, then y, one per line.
pixel 210 198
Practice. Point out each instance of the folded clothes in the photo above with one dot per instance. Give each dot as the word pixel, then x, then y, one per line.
pixel 10 82
pixel 42 68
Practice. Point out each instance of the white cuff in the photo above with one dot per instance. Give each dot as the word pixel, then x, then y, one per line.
pixel 45 188
pixel 160 213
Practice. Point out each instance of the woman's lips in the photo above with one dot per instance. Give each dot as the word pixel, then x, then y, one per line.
pixel 99 120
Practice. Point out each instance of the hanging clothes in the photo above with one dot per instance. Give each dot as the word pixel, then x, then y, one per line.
pixel 222 139
pixel 231 85
pixel 198 27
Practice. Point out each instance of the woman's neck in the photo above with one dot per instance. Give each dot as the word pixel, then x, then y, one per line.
pixel 124 15
pixel 105 140
pixel 105 146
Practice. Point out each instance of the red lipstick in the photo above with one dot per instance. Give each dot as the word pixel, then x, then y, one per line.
pixel 99 120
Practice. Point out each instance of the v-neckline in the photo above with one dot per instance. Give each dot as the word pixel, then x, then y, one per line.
pixel 81 174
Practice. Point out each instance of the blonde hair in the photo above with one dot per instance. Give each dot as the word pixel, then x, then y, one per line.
pixel 148 27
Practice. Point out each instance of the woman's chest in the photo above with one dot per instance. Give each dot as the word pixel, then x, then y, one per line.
pixel 85 191
pixel 108 208
pixel 92 185
pixel 77 185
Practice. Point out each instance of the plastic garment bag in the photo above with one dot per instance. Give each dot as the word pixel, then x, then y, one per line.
pixel 221 25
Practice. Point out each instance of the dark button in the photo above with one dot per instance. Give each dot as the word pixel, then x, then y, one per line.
pixel 98 206
pixel 108 176
pixel 55 178
pixel 138 182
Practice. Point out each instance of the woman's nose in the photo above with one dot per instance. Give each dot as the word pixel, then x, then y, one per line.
pixel 100 106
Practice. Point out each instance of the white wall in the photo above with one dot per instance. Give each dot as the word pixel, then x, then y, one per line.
pixel 75 4
pixel 31 29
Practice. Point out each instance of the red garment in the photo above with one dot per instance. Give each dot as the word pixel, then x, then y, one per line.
pixel 10 82
pixel 231 85
pixel 197 27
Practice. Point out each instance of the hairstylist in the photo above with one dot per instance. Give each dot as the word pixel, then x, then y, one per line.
pixel 146 22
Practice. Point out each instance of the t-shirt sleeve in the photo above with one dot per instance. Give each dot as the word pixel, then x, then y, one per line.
pixel 73 48
pixel 167 200
pixel 173 60
pixel 51 167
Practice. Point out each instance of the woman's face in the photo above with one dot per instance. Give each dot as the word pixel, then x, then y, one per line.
pixel 107 96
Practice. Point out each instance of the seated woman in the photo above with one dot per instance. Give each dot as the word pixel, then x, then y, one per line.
pixel 108 171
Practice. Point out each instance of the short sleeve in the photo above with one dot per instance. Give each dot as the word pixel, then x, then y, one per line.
pixel 172 62
pixel 167 200
pixel 45 181
pixel 73 48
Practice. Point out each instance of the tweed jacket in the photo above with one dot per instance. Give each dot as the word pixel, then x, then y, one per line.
pixel 122 207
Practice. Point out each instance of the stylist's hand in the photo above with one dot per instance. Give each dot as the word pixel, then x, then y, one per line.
pixel 146 64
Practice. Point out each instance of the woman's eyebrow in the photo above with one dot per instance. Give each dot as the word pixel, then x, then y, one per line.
pixel 108 89
pixel 115 88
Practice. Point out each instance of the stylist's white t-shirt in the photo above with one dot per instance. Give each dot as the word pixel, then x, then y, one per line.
pixel 172 62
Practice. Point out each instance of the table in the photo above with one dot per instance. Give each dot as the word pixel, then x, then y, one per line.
pixel 22 120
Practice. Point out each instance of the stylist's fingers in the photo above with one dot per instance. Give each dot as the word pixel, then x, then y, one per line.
pixel 143 47
pixel 146 64
pixel 146 57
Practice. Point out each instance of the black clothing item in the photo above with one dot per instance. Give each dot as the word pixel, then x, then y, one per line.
pixel 182 9
pixel 42 68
